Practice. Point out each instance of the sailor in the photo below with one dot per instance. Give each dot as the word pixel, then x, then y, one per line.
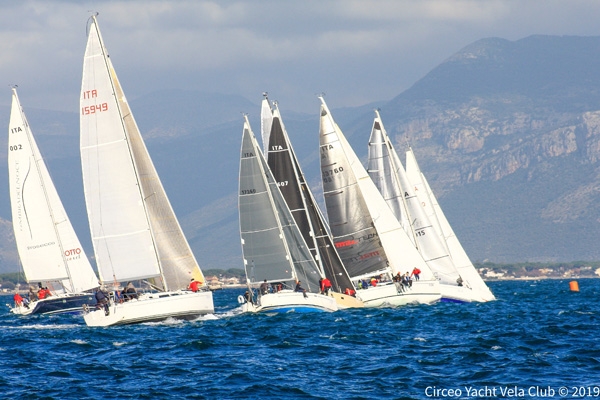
pixel 194 285
pixel 264 287
pixel 416 272
pixel 102 300
pixel 325 286
pixel 18 299
pixel 299 288
pixel 130 292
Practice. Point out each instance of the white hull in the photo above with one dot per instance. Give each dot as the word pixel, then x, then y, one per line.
pixel 287 300
pixel 153 307
pixel 393 295
pixel 457 294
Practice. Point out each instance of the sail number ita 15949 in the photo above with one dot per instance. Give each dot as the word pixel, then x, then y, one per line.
pixel 94 108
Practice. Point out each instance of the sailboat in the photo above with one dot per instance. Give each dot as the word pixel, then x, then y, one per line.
pixel 297 194
pixel 48 247
pixel 275 253
pixel 368 237
pixel 135 233
pixel 470 278
pixel 389 176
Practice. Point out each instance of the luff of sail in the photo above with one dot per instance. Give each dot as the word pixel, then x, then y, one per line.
pixel 367 235
pixel 395 182
pixel 459 256
pixel 134 229
pixel 298 196
pixel 48 246
pixel 272 245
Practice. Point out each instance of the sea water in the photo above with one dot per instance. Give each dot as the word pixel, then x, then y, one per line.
pixel 538 340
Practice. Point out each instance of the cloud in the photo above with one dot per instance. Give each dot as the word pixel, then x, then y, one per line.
pixel 356 51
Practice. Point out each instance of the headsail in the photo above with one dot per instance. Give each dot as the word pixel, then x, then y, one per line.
pixel 459 256
pixel 47 243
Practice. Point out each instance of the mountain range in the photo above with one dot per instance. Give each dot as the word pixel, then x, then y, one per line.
pixel 506 132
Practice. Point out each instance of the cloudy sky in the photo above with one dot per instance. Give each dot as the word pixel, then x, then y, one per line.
pixel 355 51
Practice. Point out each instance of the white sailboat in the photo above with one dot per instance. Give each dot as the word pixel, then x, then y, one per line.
pixel 48 247
pixel 389 176
pixel 135 233
pixel 273 248
pixel 367 235
pixel 469 275
pixel 297 194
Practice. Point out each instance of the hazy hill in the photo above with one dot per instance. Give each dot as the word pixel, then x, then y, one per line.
pixel 508 134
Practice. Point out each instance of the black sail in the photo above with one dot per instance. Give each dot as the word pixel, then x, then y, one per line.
pixel 294 188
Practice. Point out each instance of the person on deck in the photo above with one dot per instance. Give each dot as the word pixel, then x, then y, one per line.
pixel 325 286
pixel 194 285
pixel 416 272
pixel 264 288
pixel 130 292
pixel 102 300
pixel 18 300
pixel 299 288
pixel 32 294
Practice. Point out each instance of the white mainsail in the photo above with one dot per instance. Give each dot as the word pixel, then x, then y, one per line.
pixel 46 241
pixel 368 236
pixel 390 178
pixel 463 264
pixel 134 229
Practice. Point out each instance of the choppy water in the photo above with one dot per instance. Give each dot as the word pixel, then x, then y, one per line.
pixel 536 338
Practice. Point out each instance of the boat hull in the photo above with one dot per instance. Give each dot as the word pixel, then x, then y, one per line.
pixel 456 294
pixel 55 304
pixel 289 301
pixel 394 295
pixel 346 301
pixel 153 307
